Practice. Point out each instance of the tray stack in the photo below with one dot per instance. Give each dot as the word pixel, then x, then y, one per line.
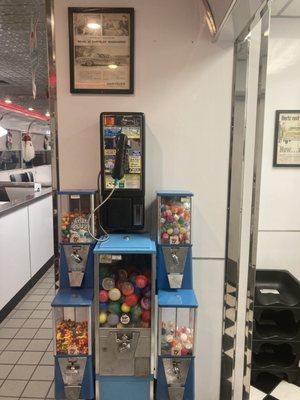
pixel 276 344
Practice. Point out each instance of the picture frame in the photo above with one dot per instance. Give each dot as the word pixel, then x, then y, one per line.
pixel 287 139
pixel 101 44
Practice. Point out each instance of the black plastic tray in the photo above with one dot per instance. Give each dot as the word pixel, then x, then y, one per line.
pixel 276 288
pixel 277 354
pixel 274 323
pixel 265 375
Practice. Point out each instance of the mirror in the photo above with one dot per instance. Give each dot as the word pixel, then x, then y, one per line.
pixel 25 140
pixel 276 314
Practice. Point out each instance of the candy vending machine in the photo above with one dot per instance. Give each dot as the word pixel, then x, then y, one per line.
pixel 177 303
pixel 124 317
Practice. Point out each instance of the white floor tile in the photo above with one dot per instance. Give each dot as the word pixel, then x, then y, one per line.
pixel 286 391
pixel 256 394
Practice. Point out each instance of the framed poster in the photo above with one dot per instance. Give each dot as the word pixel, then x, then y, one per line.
pixel 101 50
pixel 287 139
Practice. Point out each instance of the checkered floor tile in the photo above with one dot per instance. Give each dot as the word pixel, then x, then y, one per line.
pixel 282 391
pixel 26 347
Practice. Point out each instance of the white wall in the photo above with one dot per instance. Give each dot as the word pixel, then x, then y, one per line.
pixel 279 225
pixel 183 85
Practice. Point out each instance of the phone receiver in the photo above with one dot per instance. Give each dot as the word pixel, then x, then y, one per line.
pixel 119 167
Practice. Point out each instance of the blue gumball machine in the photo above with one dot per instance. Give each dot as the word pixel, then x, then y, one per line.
pixel 177 303
pixel 124 317
pixel 73 349
pixel 176 324
pixel 72 306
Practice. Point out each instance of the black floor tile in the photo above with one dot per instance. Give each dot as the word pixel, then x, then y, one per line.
pixel 266 382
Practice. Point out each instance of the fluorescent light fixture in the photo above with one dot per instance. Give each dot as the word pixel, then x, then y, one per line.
pixel 8 101
pixel 93 25
pixel 112 66
pixel 3 131
pixel 30 109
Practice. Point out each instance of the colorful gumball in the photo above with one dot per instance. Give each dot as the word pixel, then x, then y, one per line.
pixel 147 291
pixel 103 306
pixel 125 319
pixel 125 308
pixel 113 319
pixel 184 351
pixel 131 300
pixel 146 315
pixel 103 296
pixel 141 281
pixel 114 307
pixel 136 313
pixel 145 324
pixel 127 288
pixel 146 303
pixel 102 317
pixel 108 283
pixel 114 294
pixel 122 274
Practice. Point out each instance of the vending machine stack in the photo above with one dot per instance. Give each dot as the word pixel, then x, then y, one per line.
pixel 72 306
pixel 124 317
pixel 177 303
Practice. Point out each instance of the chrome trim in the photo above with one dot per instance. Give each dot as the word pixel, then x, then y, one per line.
pixel 256 200
pixel 53 127
pixel 235 207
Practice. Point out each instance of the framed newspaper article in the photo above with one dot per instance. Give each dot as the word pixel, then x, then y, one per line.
pixel 287 139
pixel 101 50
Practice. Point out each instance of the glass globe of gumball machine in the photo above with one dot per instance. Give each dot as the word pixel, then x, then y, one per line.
pixel 76 233
pixel 72 317
pixel 177 318
pixel 174 239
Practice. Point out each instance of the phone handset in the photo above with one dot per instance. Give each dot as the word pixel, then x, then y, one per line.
pixel 120 160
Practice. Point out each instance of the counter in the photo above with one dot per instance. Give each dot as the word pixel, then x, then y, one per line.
pixel 26 245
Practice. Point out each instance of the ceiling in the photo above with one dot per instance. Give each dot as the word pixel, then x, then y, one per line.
pixel 286 8
pixel 15 60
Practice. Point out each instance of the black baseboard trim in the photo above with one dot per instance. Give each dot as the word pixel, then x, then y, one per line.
pixel 25 289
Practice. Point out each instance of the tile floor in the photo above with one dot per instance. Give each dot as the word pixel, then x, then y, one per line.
pixel 282 391
pixel 26 346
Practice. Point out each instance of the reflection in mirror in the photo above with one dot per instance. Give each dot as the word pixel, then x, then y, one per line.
pixel 25 140
pixel 276 315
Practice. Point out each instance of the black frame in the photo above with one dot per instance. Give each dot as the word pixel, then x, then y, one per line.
pixel 123 192
pixel 130 11
pixel 275 152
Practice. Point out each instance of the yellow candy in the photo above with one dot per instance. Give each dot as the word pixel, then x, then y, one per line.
pixel 170 231
pixel 102 317
pixel 125 308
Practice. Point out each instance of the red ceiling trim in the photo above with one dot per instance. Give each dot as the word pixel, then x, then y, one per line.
pixel 23 111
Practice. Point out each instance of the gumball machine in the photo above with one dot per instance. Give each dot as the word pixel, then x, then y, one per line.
pixel 176 299
pixel 76 238
pixel 72 316
pixel 124 317
pixel 174 257
pixel 175 371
